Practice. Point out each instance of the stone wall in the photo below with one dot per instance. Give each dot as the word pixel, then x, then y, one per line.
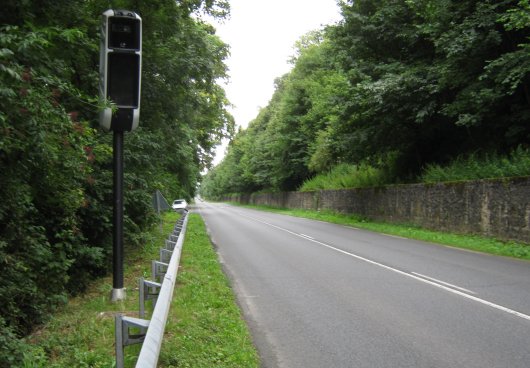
pixel 497 208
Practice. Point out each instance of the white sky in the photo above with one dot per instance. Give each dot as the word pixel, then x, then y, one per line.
pixel 261 35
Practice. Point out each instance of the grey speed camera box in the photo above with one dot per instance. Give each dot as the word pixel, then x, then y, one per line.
pixel 120 69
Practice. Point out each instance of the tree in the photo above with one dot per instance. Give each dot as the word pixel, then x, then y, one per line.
pixel 397 85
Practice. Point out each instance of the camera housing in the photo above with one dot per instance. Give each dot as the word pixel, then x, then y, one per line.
pixel 120 69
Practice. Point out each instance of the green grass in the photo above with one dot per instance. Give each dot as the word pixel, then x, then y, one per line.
pixel 204 328
pixel 470 242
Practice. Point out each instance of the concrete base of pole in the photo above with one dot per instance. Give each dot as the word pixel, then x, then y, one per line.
pixel 117 295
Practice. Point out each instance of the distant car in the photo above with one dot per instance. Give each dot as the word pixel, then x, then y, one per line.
pixel 179 205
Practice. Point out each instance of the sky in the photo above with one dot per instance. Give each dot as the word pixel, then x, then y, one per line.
pixel 261 35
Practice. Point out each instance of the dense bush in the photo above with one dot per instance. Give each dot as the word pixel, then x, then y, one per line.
pixel 472 167
pixel 345 176
pixel 44 170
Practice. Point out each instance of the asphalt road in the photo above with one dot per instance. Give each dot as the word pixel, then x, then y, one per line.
pixel 323 295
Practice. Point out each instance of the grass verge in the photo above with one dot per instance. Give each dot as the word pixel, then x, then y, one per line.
pixel 204 328
pixel 470 242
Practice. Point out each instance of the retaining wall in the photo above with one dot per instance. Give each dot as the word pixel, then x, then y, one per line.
pixel 497 208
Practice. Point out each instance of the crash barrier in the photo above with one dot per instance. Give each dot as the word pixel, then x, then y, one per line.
pixel 160 291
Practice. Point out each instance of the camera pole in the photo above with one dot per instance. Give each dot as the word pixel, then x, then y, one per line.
pixel 118 291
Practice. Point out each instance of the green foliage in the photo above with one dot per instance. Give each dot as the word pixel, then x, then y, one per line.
pixel 471 167
pixel 12 348
pixel 278 151
pixel 44 167
pixel 517 17
pixel 484 166
pixel 345 176
pixel 397 84
pixel 56 181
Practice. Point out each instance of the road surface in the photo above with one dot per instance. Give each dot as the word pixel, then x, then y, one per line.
pixel 324 295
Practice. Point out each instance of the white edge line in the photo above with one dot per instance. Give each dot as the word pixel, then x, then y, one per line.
pixel 440 286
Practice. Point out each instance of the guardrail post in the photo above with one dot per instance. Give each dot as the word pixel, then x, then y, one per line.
pixel 157 271
pixel 170 244
pixel 124 337
pixel 165 255
pixel 147 291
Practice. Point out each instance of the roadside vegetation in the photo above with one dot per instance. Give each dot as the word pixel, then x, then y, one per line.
pixel 471 167
pixel 396 92
pixel 55 162
pixel 345 176
pixel 486 166
pixel 204 329
pixel 470 242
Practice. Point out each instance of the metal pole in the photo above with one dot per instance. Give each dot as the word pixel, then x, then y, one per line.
pixel 118 291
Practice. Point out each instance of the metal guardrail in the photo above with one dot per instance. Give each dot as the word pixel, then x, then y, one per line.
pixel 152 331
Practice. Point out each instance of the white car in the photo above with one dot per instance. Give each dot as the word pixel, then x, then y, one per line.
pixel 179 205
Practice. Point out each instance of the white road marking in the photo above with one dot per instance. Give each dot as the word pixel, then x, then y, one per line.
pixel 426 281
pixel 443 282
pixel 306 236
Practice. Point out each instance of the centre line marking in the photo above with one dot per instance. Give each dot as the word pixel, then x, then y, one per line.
pixel 407 274
pixel 306 236
pixel 443 282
